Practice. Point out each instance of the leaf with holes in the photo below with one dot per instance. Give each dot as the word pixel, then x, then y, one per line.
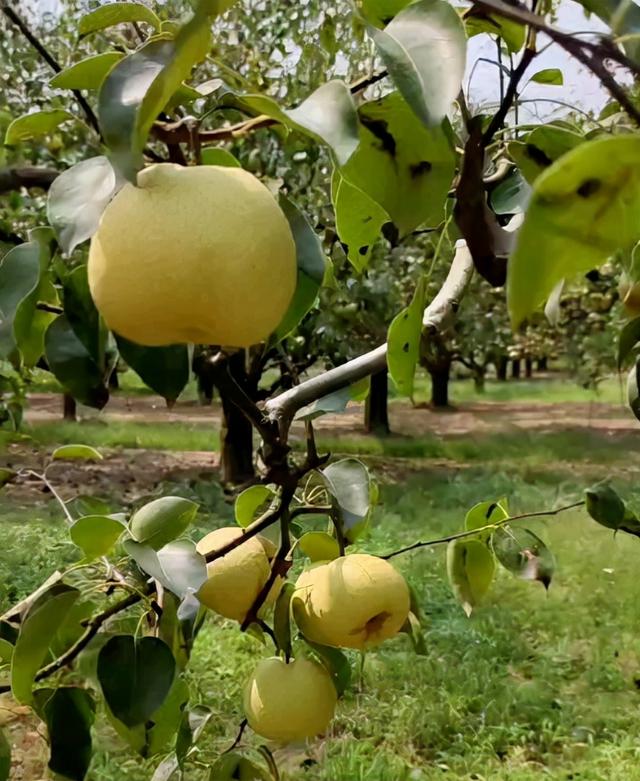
pixel 34 125
pixel 583 209
pixel 470 569
pixel 77 199
pixel 349 483
pixel 135 676
pixel 36 633
pixel 424 49
pixel 524 554
pixel 403 342
pixel 542 147
pixel 69 713
pixel 88 73
pixel 312 265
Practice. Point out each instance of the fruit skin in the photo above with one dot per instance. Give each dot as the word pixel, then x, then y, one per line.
pixel 235 580
pixel 355 601
pixel 201 254
pixel 289 702
pixel 629 295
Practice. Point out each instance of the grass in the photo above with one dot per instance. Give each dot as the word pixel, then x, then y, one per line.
pixel 535 685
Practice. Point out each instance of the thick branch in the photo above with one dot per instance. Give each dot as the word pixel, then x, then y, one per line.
pixel 29 176
pixel 282 408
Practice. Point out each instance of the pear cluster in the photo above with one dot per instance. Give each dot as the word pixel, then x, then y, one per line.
pixel 355 601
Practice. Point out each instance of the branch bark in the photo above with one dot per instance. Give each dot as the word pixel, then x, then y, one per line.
pixel 26 176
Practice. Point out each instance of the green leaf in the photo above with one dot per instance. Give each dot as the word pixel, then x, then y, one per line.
pixel 413 629
pixel 233 765
pixel 624 19
pixel 88 73
pixel 5 757
pixel 403 342
pixel 470 568
pixel 319 546
pixel 404 167
pixel 582 210
pixel 178 566
pixel 359 220
pixel 604 505
pixel 73 366
pixel 312 264
pixel 381 12
pixel 218 156
pixel 349 483
pixel 252 502
pixel 193 723
pixel 543 146
pixel 36 633
pixel 336 402
pixel 111 14
pixel 76 453
pixel 512 195
pixel 135 676
pixel 476 21
pixel 163 369
pixel 96 535
pixel 167 718
pixel 82 313
pixel 524 554
pixel 628 339
pixel 34 125
pixel 424 49
pixel 335 661
pixel 162 520
pixel 549 76
pixel 328 116
pixel 140 86
pixel 69 713
pixel 77 199
pixel 19 277
pixel 282 619
pixel 633 389
pixel 485 513
pixel 167 769
pixel 7 475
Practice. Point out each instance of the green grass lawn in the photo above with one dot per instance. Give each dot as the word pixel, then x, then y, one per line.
pixel 535 685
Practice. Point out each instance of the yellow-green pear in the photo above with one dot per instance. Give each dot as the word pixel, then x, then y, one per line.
pixel 199 254
pixel 289 702
pixel 235 580
pixel 355 601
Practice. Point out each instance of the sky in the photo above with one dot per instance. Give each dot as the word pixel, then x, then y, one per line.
pixel 580 87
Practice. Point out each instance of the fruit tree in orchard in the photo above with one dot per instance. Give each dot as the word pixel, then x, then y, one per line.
pixel 158 240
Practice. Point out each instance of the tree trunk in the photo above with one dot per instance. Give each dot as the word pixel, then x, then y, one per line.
pixel 515 369
pixel 478 379
pixel 440 385
pixel 376 413
pixel 236 433
pixel 69 407
pixel 501 368
pixel 528 368
pixel 201 367
pixel 542 364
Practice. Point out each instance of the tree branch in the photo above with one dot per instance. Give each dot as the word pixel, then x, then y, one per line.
pixel 474 532
pixel 28 176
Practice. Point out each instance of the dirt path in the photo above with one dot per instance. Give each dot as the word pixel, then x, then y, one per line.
pixel 406 420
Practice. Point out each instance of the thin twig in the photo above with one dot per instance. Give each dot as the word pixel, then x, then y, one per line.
pixel 243 725
pixel 43 478
pixel 474 532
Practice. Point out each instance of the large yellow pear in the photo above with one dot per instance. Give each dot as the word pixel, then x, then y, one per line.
pixel 235 580
pixel 289 702
pixel 355 601
pixel 202 254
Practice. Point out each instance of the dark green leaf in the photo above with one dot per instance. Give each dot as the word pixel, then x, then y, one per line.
pixel 110 14
pixel 512 195
pixel 135 676
pixel 336 402
pixel 76 453
pixel 5 757
pixel 403 342
pixel 628 339
pixel 96 535
pixel 470 568
pixel 69 713
pixel 163 369
pixel 36 633
pixel 193 723
pixel 604 505
pixel 336 663
pixel 77 199
pixel 34 125
pixel 252 502
pixel 549 76
pixel 424 49
pixel 582 210
pixel 312 265
pixel 88 73
pixel 178 566
pixel 349 484
pixel 73 366
pixel 162 520
pixel 282 619
pixel 524 554
pixel 82 314
pixel 19 277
